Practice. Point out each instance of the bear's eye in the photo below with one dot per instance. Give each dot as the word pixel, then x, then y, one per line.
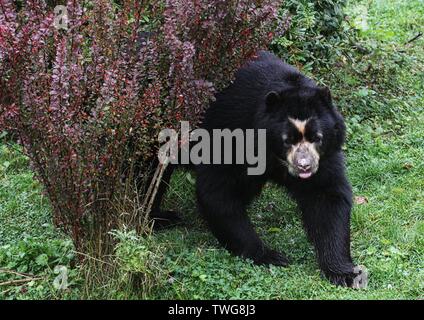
pixel 317 138
pixel 288 141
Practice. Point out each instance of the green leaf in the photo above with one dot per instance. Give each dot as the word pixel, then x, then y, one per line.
pixel 363 92
pixel 42 260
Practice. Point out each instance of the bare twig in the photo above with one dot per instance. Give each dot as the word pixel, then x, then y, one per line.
pixel 419 35
pixel 26 275
pixel 5 291
pixel 153 187
pixel 19 281
pixel 92 258
pixel 162 167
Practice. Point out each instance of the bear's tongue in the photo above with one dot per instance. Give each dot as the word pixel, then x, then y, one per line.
pixel 305 175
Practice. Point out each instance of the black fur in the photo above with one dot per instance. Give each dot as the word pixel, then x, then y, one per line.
pixel 264 94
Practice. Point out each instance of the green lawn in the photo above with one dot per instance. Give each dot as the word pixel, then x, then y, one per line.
pixel 382 96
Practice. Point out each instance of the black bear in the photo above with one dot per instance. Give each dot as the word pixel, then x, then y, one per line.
pixel 304 138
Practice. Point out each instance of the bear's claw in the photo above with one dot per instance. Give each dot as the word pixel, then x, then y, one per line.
pixel 356 279
pixel 272 257
pixel 361 279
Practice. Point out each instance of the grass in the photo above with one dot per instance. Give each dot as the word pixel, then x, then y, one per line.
pixel 381 94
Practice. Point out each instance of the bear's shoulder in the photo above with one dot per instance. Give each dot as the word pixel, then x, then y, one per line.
pixel 267 71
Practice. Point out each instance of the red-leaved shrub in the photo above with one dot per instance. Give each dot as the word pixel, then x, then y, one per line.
pixel 88 102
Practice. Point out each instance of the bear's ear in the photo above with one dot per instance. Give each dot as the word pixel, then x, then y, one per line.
pixel 272 101
pixel 325 94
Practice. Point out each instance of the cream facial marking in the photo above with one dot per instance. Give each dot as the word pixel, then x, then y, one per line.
pixel 299 124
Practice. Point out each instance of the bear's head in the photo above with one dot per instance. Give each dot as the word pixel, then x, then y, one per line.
pixel 304 127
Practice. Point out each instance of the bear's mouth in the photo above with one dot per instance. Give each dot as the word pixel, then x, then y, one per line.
pixel 302 174
pixel 305 174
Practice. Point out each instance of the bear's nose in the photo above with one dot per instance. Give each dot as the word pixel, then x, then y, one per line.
pixel 304 165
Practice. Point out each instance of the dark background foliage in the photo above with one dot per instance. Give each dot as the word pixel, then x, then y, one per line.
pixel 316 33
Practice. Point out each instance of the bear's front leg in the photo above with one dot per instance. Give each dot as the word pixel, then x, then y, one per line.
pixel 223 206
pixel 326 217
